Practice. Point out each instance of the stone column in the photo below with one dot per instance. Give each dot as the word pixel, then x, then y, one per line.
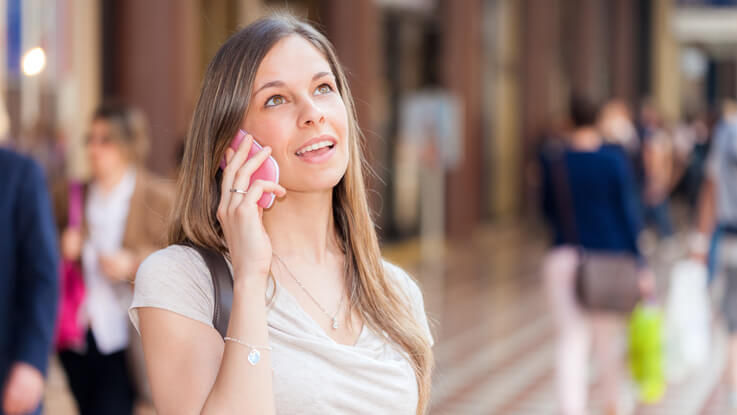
pixel 623 53
pixel 539 91
pixel 461 75
pixel 503 41
pixel 80 81
pixel 665 73
pixel 589 69
pixel 159 55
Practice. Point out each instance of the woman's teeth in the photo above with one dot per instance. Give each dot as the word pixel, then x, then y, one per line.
pixel 315 146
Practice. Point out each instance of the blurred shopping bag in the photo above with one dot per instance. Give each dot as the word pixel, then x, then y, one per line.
pixel 688 320
pixel 69 332
pixel 646 352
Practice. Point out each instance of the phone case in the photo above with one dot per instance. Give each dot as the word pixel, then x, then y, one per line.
pixel 269 169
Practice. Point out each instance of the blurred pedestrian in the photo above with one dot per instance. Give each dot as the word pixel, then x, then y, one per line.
pixel 719 216
pixel 657 170
pixel 28 283
pixel 124 219
pixel 587 189
pixel 692 142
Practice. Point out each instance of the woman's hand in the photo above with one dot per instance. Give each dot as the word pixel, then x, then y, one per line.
pixel 239 214
pixel 24 389
pixel 120 266
pixel 71 244
pixel 647 283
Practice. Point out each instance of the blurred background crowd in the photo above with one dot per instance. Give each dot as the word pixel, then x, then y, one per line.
pixel 470 110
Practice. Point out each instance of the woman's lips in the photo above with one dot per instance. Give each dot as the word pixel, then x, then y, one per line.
pixel 318 156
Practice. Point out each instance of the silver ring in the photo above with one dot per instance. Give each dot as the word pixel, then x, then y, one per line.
pixel 243 192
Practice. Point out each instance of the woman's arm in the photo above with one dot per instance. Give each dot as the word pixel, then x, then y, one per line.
pixel 190 370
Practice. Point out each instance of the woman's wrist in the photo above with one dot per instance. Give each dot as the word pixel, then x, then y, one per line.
pixel 249 285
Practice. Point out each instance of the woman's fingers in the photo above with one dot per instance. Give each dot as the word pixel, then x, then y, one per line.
pixel 257 190
pixel 243 175
pixel 234 162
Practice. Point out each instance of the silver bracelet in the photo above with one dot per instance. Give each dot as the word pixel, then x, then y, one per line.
pixel 254 356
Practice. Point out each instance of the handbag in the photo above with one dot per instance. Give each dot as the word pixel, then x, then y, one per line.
pixel 69 333
pixel 605 281
pixel 608 281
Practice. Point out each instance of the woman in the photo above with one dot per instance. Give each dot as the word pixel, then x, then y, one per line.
pixel 337 329
pixel 124 210
pixel 598 200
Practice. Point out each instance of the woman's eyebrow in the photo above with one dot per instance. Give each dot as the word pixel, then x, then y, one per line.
pixel 273 84
pixel 321 74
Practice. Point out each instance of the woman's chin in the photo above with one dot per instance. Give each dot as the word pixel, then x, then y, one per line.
pixel 313 187
pixel 324 180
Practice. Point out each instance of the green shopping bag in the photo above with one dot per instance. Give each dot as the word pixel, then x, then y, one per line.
pixel 646 352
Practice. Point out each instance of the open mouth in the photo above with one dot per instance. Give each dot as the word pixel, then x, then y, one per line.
pixel 316 149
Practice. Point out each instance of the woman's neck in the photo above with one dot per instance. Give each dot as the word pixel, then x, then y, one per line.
pixel 586 139
pixel 110 178
pixel 301 225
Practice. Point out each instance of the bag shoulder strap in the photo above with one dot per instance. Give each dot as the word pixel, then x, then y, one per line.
pixel 222 283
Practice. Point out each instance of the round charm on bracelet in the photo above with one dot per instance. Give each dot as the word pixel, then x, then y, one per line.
pixel 254 357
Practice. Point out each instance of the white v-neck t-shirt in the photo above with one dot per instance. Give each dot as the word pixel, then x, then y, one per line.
pixel 313 374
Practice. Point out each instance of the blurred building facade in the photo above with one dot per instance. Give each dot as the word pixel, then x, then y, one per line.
pixel 512 64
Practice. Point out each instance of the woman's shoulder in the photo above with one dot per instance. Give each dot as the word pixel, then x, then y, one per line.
pixel 411 290
pixel 177 279
pixel 404 281
pixel 178 257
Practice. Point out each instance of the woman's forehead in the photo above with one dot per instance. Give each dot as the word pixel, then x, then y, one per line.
pixel 291 59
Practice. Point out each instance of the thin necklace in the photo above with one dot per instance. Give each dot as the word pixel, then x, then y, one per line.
pixel 333 317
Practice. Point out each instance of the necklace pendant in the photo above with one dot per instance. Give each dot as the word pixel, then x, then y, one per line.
pixel 335 324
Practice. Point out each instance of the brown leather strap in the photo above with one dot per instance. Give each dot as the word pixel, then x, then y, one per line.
pixel 222 283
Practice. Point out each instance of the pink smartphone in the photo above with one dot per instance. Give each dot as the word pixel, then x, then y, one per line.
pixel 269 169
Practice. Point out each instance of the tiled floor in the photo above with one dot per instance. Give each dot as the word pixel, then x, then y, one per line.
pixel 494 335
pixel 496 339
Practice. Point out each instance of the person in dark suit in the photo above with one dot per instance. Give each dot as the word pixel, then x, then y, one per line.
pixel 29 262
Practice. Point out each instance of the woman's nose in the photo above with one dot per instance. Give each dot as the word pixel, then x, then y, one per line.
pixel 311 113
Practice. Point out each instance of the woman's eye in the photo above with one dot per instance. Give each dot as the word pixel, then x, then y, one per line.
pixel 275 100
pixel 323 89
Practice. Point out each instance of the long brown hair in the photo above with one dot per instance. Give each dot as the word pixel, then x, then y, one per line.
pixel 226 92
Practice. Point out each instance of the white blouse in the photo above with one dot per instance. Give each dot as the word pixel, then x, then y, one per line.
pixel 106 301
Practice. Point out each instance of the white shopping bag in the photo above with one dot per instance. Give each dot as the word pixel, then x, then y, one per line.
pixel 687 320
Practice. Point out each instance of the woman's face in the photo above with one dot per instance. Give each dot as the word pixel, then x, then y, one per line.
pixel 296 109
pixel 105 154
